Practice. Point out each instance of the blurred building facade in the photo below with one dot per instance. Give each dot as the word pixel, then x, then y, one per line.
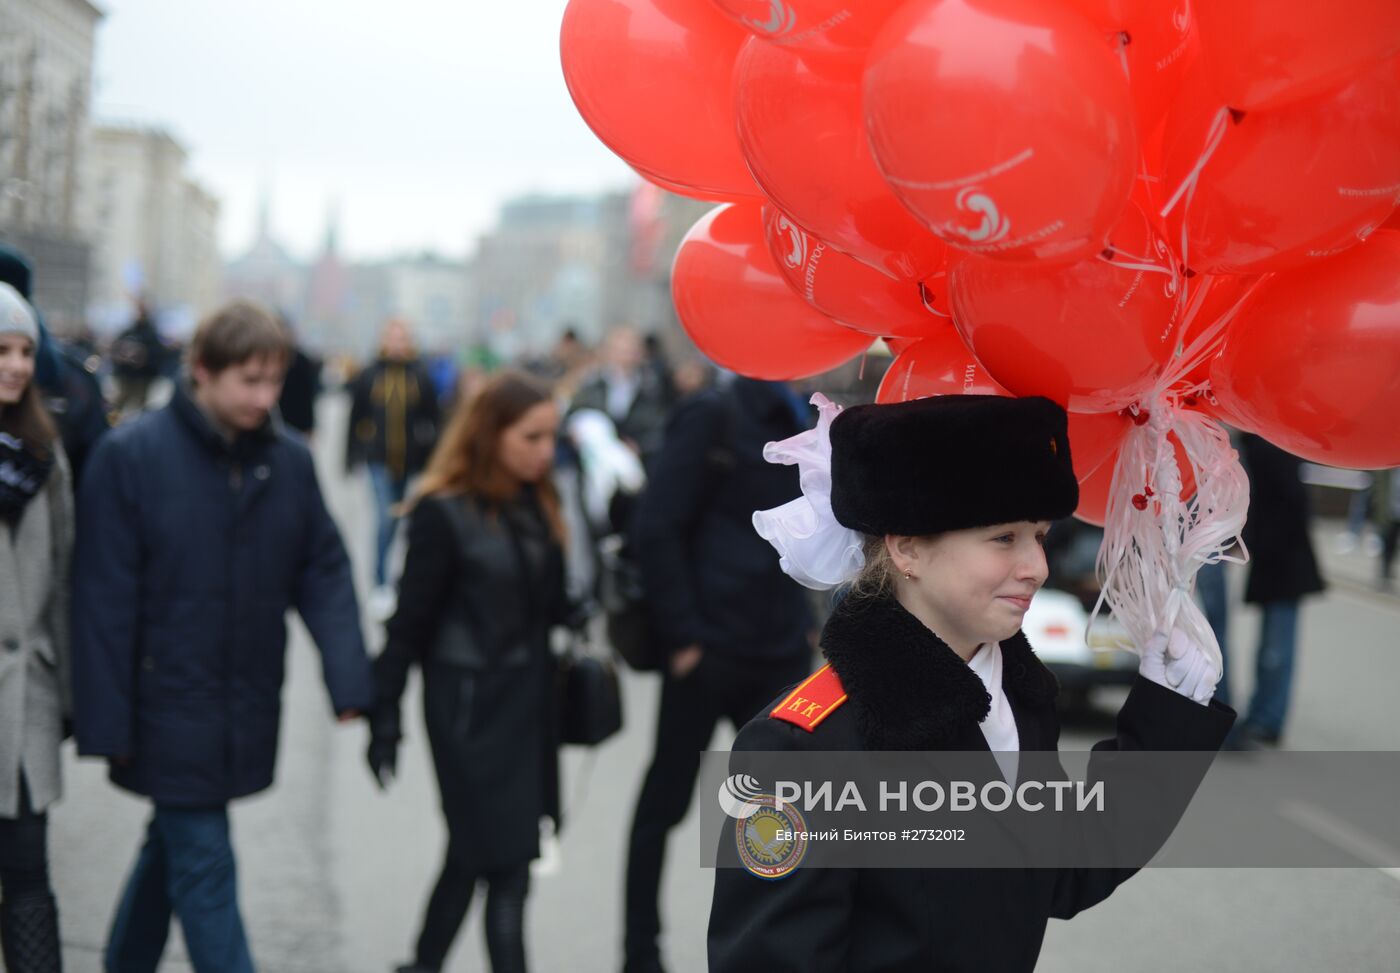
pixel 266 272
pixel 46 55
pixel 155 230
pixel 580 262
pixel 551 263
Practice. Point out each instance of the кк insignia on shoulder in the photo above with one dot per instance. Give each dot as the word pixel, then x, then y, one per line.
pixel 813 700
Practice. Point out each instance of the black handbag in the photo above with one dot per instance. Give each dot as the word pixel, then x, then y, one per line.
pixel 590 697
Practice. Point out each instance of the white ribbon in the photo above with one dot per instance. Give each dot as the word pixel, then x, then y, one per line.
pixel 814 549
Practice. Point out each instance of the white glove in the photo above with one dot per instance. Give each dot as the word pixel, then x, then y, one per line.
pixel 1180 665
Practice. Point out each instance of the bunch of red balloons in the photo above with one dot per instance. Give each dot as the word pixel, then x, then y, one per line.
pixel 1090 200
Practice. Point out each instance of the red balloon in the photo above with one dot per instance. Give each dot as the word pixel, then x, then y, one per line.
pixel 1093 495
pixel 899 346
pixel 1289 186
pixel 1392 222
pixel 803 133
pixel 1312 358
pixel 1159 44
pixel 653 79
pixel 812 25
pixel 1093 438
pixel 937 365
pixel 1005 125
pixel 679 190
pixel 1222 293
pixel 845 289
pixel 1092 336
pixel 1094 489
pixel 737 309
pixel 1266 53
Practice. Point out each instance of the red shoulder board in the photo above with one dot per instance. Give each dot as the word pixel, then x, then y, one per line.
pixel 814 700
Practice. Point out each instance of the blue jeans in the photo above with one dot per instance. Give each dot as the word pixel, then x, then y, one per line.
pixel 388 491
pixel 186 869
pixel 1273 668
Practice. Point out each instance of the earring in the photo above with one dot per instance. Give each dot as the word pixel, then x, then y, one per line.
pixel 908 575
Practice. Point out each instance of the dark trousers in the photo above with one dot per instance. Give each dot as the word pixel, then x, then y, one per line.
pixel 389 491
pixel 506 890
pixel 185 869
pixel 718 688
pixel 24 858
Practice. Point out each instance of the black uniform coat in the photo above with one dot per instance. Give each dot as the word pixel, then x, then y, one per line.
pixel 479 593
pixel 909 691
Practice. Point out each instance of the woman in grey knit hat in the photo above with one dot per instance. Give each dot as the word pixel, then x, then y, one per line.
pixel 36 538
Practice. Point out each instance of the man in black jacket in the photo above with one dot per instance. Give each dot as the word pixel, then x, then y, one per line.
pixel 200 525
pixel 732 626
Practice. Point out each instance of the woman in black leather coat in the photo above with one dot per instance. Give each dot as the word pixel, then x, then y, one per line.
pixel 482 585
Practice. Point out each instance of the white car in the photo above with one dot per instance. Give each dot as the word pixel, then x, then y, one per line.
pixel 1056 625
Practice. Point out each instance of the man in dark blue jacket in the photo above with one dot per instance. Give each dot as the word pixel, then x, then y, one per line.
pixel 200 525
pixel 733 627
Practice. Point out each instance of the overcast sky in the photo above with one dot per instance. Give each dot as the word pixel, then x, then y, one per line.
pixel 419 117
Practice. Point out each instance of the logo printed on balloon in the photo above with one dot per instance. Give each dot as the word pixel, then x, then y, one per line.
pixel 1181 21
pixel 1181 18
pixel 781 19
pixel 797 256
pixel 994 226
pixel 1164 255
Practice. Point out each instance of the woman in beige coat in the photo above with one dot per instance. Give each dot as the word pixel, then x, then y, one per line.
pixel 36 538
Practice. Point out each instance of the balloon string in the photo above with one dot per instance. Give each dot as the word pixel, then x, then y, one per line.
pixel 1203 345
pixel 1134 262
pixel 1214 136
pixel 1154 540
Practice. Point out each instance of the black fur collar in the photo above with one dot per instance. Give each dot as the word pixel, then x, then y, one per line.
pixel 908 689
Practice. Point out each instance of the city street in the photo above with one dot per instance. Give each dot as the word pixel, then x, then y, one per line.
pixel 334 874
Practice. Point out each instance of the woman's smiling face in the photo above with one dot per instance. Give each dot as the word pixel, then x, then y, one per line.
pixel 972 586
pixel 16 367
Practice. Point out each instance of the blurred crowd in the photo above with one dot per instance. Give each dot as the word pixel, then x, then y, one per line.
pixel 169 496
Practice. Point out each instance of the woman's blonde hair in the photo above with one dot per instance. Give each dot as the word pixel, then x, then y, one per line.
pixel 876 578
pixel 467 458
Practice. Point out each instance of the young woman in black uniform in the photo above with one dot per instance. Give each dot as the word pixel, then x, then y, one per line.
pixel 935 513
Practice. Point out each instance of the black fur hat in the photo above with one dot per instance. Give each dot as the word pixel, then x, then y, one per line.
pixel 951 462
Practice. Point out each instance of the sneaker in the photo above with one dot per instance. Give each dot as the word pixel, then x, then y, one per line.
pixel 1344 543
pixel 381 603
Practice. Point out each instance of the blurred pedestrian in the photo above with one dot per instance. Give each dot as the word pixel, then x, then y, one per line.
pixel 201 524
pixel 1282 571
pixel 64 375
pixel 731 628
pixel 301 387
pixel 36 521
pixel 692 375
pixel 483 583
pixel 1388 503
pixel 392 429
pixel 933 514
pixel 628 389
pixel 137 357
